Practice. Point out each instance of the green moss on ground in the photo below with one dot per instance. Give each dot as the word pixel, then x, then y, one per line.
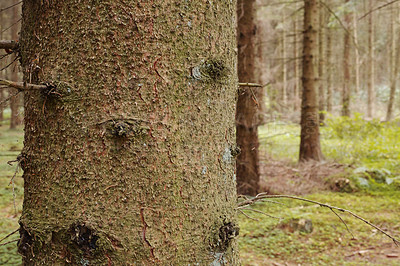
pixel 11 142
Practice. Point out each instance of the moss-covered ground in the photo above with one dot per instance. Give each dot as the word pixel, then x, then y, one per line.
pixel 11 142
pixel 371 148
pixel 372 151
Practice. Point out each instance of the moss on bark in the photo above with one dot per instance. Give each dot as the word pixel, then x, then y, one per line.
pixel 131 163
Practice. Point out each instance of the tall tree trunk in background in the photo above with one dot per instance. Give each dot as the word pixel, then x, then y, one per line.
pixel 371 64
pixel 321 64
pixel 16 100
pixel 284 65
pixel 129 161
pixel 357 54
pixel 296 67
pixel 310 148
pixel 2 64
pixel 346 65
pixel 329 74
pixel 394 62
pixel 248 104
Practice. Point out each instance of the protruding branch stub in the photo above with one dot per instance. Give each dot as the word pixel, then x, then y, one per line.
pixel 9 45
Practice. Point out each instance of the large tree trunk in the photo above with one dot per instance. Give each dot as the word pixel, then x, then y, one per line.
pixel 128 154
pixel 310 148
pixel 248 104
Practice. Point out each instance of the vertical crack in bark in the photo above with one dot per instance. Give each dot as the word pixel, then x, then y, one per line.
pixel 144 233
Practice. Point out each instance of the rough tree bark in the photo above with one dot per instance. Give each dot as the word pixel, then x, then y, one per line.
pixel 371 64
pixel 248 104
pixel 321 63
pixel 128 153
pixel 296 67
pixel 310 148
pixel 394 62
pixel 346 64
pixel 329 74
pixel 15 101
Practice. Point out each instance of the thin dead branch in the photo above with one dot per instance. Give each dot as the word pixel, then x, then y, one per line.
pixel 7 236
pixel 12 25
pixel 258 211
pixel 11 6
pixel 379 7
pixel 263 196
pixel 12 62
pixel 9 242
pixel 248 84
pixel 22 86
pixel 245 214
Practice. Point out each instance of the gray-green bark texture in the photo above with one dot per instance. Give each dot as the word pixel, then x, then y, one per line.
pixel 128 156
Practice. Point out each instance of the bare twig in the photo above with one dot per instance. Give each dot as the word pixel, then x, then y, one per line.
pixel 258 211
pixel 10 234
pixel 15 23
pixel 248 216
pixel 379 7
pixel 9 97
pixel 341 24
pixel 348 230
pixel 262 196
pixel 8 44
pixel 4 9
pixel 254 85
pixel 9 242
pixel 12 179
pixel 12 62
pixel 248 84
pixel 22 86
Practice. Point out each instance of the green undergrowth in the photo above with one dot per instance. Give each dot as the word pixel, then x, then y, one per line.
pixel 11 142
pixel 268 240
pixel 371 149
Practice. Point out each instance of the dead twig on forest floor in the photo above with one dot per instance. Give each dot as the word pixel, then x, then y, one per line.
pixel 263 196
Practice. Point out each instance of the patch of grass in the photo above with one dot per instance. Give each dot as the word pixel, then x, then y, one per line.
pixel 11 142
pixel 330 243
pixel 373 148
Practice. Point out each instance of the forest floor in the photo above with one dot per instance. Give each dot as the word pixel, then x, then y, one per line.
pixel 352 177
pixel 360 174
